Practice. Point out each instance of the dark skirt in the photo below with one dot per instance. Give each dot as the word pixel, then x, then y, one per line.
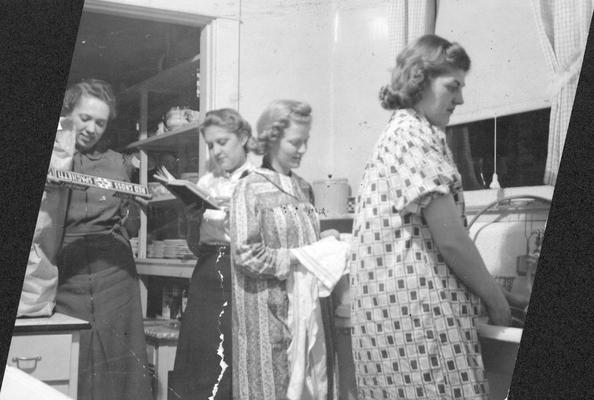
pixel 197 363
pixel 98 282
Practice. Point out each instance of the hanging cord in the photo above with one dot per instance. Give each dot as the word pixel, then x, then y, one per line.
pixel 495 181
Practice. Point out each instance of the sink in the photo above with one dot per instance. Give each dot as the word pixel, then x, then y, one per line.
pixel 499 347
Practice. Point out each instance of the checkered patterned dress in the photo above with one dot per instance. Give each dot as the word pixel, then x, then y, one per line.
pixel 414 333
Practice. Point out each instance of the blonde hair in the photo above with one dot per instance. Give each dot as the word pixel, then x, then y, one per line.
pixel 275 119
pixel 228 119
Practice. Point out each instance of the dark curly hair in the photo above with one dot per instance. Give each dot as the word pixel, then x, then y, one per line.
pixel 92 88
pixel 427 57
pixel 229 119
pixel 275 119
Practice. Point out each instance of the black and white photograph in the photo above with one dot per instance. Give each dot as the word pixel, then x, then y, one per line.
pixel 298 200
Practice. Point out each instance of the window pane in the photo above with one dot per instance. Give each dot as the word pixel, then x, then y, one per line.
pixel 521 150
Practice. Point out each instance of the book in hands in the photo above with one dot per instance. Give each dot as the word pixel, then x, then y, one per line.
pixel 188 192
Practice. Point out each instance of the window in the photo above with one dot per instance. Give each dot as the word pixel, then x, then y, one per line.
pixel 521 150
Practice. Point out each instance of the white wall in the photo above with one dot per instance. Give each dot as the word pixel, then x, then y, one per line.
pixel 330 54
pixel 285 53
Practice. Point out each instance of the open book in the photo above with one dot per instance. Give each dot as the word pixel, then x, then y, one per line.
pixel 188 192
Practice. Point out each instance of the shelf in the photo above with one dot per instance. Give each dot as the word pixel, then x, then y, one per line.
pixel 170 81
pixel 165 267
pixel 181 138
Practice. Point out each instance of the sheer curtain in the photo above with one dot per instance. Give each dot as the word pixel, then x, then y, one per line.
pixel 408 20
pixel 563 30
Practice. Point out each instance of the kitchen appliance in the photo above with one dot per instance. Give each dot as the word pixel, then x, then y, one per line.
pixel 331 196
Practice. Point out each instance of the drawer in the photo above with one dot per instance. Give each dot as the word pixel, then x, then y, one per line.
pixel 48 355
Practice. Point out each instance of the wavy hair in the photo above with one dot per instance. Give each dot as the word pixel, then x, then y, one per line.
pixel 91 88
pixel 230 120
pixel 275 119
pixel 424 59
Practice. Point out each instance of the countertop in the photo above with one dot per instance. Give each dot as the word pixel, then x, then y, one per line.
pixel 54 323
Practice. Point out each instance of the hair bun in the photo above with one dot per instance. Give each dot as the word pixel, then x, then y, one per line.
pixel 388 99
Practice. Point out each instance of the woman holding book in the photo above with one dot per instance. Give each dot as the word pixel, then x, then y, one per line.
pixel 98 281
pixel 208 313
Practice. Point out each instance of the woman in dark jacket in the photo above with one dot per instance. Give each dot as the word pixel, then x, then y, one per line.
pixel 98 281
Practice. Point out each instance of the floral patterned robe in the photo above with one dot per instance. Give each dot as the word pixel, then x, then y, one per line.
pixel 270 214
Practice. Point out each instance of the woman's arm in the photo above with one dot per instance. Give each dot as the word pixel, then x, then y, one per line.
pixel 463 257
pixel 250 253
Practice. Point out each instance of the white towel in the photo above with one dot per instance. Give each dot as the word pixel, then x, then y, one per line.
pixel 326 259
pixel 307 351
pixel 323 263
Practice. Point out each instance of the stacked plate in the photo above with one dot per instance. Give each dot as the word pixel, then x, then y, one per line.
pixel 156 249
pixel 176 248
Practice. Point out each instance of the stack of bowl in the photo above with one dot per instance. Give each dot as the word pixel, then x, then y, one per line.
pixel 156 249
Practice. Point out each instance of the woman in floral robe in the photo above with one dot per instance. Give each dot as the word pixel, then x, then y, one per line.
pixel 271 213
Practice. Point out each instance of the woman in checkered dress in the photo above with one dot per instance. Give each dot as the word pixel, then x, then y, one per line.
pixel 418 281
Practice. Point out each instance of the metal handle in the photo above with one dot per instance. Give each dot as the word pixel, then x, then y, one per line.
pixel 18 360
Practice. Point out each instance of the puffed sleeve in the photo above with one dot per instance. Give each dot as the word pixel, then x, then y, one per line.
pixel 416 166
pixel 250 253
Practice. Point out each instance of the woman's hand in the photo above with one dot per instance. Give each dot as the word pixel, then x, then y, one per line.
pixel 517 300
pixel 498 308
pixel 143 203
pixel 330 232
pixel 222 202
pixel 51 182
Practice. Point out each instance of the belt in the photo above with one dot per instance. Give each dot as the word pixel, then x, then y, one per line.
pixel 222 249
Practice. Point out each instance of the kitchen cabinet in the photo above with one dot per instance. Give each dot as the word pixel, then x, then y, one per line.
pixel 48 349
pixel 163 219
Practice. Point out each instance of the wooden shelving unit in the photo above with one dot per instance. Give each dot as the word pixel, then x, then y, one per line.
pixel 178 80
pixel 185 137
pixel 169 81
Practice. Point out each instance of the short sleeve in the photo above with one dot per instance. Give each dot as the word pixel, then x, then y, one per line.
pixel 417 167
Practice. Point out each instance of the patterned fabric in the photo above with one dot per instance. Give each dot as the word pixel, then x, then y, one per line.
pixel 271 213
pixel 414 333
pixel 563 30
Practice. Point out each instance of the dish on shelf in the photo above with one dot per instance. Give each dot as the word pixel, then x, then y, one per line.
pixel 179 116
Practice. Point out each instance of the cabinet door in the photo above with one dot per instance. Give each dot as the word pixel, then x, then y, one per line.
pixel 44 356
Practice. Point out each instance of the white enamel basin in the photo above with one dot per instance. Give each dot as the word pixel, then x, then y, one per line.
pixel 499 347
